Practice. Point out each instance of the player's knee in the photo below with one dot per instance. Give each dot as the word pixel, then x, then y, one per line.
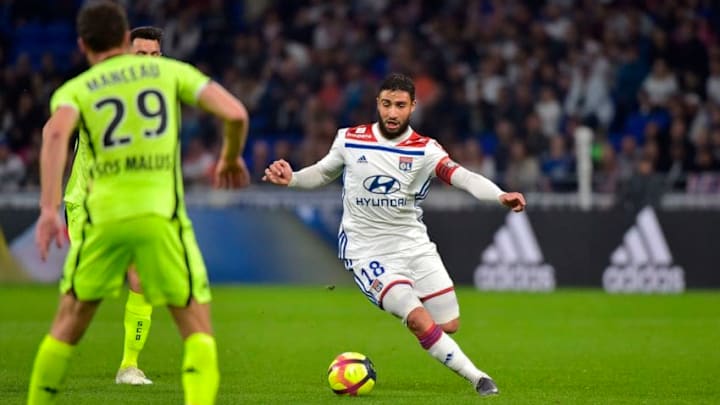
pixel 419 321
pixel 134 281
pixel 445 311
pixel 400 301
pixel 195 318
pixel 72 319
pixel 451 327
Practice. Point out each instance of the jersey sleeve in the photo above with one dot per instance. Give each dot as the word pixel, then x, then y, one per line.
pixel 325 170
pixel 334 161
pixel 439 162
pixel 64 96
pixel 191 81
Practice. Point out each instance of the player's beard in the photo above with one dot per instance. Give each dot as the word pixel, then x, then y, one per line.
pixel 402 127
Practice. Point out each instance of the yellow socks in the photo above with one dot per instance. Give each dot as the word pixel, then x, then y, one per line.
pixel 200 375
pixel 137 327
pixel 49 369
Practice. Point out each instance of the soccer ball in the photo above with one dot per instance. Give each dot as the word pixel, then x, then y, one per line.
pixel 352 374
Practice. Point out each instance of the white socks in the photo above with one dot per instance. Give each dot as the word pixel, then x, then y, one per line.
pixel 446 350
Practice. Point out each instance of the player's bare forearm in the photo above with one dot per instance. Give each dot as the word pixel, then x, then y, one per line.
pixel 218 101
pixel 234 137
pixel 52 161
pixel 53 155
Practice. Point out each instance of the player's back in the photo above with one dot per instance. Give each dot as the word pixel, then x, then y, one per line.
pixel 129 120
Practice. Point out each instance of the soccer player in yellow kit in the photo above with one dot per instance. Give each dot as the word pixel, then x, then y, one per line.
pixel 137 320
pixel 126 109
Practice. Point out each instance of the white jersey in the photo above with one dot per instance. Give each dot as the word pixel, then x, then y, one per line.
pixel 384 182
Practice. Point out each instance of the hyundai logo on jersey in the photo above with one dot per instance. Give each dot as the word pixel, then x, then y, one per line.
pixel 381 184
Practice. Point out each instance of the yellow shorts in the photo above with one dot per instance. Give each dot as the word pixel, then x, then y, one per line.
pixel 164 252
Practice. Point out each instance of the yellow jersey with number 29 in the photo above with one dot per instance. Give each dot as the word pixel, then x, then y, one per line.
pixel 127 160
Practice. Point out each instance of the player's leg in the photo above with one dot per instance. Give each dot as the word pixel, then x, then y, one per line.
pixel 443 308
pixel 401 301
pixel 137 327
pixel 177 278
pixel 436 291
pixel 94 269
pixel 53 356
pixel 200 375
pixel 438 317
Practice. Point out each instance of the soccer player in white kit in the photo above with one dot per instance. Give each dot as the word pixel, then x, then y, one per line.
pixel 387 168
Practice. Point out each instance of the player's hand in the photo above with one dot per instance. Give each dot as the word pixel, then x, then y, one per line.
pixel 231 174
pixel 279 172
pixel 514 201
pixel 49 227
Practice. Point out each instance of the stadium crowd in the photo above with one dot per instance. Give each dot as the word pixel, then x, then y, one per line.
pixel 502 84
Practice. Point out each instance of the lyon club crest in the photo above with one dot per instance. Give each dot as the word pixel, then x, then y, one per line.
pixel 405 163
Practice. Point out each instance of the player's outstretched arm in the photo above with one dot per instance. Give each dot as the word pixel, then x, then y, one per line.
pixel 484 189
pixel 230 171
pixel 53 153
pixel 319 174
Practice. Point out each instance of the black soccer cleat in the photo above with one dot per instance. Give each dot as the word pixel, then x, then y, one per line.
pixel 486 386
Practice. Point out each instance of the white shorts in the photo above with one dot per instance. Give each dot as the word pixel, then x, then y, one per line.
pixel 426 275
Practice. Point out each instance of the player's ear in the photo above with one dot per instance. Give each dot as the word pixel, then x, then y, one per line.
pixel 81 45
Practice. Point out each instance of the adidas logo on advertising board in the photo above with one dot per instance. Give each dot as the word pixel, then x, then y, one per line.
pixel 514 262
pixel 643 263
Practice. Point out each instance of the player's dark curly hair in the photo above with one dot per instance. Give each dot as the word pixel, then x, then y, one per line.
pixel 149 32
pixel 102 25
pixel 399 81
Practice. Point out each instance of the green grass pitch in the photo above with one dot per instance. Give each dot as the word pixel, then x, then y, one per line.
pixel 275 343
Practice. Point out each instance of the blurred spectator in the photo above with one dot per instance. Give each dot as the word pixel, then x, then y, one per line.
pixel 197 163
pixel 712 86
pixel 532 135
pixel 644 187
pixel 688 54
pixel 330 93
pixel 715 143
pixel 27 117
pixel 260 158
pixel 660 84
pixel 12 168
pixel 523 172
pixel 283 150
pixel 474 159
pixel 628 157
pixel 549 111
pixel 629 78
pixel 31 159
pixel 589 94
pixel 557 165
pixel 704 161
pixel 608 170
pixel 702 180
pixel 182 35
pixel 645 114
